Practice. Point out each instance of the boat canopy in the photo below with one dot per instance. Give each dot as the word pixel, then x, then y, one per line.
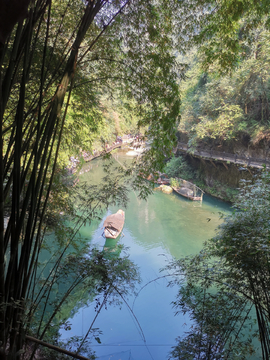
pixel 115 220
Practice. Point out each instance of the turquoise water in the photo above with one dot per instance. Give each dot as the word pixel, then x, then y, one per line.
pixel 162 228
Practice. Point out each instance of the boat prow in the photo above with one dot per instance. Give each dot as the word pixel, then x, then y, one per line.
pixel 114 224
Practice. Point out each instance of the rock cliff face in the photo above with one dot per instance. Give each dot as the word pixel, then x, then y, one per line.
pixel 228 174
pixel 258 148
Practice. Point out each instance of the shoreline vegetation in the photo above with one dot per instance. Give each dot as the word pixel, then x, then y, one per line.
pixel 181 168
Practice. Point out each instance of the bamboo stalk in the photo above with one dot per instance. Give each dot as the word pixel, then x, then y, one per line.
pixel 2 253
pixel 56 348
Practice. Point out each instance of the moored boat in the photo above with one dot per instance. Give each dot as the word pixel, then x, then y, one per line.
pixel 187 189
pixel 113 224
pixel 188 193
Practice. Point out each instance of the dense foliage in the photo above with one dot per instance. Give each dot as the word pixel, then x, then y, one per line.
pixel 233 107
pixel 231 275
pixel 178 167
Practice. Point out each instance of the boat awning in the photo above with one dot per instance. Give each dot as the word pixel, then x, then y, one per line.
pixel 115 220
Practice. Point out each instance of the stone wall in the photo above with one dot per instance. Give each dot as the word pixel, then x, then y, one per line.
pixel 227 174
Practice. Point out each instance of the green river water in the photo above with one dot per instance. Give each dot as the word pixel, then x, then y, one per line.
pixel 162 228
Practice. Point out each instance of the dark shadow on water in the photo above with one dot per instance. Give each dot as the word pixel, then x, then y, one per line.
pixel 112 248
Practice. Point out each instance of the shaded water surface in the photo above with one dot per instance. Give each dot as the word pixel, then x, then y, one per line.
pixel 162 228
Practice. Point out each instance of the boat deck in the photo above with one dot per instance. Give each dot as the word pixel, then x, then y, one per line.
pixel 188 190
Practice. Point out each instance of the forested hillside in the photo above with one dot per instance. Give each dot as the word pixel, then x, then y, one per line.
pixel 222 109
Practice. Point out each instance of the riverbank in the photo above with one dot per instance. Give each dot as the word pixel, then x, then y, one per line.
pixel 120 142
pixel 215 180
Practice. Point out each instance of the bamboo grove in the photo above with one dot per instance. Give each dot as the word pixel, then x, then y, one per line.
pixel 43 53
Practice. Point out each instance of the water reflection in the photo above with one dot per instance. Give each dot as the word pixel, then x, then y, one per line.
pixel 112 248
pixel 155 231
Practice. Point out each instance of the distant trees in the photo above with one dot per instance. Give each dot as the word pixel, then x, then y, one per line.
pixel 220 108
pixel 223 30
pixel 226 90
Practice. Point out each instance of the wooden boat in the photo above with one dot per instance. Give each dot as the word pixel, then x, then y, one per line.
pixel 187 193
pixel 188 190
pixel 113 224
